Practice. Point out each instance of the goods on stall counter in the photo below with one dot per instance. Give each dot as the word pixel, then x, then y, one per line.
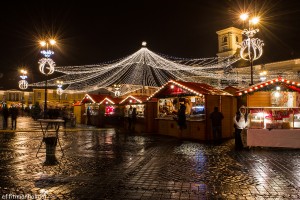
pixel 256 125
pixel 278 125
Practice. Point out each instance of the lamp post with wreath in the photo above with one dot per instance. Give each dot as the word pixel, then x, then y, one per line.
pixel 46 65
pixel 117 90
pixel 23 84
pixel 251 48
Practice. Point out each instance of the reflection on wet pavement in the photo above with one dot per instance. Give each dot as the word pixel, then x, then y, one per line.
pixel 103 164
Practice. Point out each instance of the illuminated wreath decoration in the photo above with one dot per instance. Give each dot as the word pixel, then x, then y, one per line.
pixel 23 84
pixel 43 62
pixel 59 91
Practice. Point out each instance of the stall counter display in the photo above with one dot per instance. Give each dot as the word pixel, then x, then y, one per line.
pixel 140 108
pixel 274 117
pixel 168 107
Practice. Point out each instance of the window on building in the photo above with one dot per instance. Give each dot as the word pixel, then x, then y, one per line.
pixel 224 40
pixel 39 95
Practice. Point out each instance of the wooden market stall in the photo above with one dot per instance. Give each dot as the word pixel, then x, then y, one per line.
pixel 200 101
pixel 139 103
pixel 95 107
pixel 274 113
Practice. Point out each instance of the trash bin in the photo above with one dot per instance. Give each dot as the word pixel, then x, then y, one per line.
pixel 51 143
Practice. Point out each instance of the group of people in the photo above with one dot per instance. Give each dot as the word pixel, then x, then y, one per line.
pixel 13 112
pixel 240 123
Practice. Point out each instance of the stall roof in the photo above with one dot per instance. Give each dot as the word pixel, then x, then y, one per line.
pixel 231 89
pixel 78 103
pixel 289 84
pixel 98 98
pixel 133 99
pixel 175 88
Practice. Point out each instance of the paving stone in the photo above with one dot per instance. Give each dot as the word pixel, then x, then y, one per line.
pixel 104 164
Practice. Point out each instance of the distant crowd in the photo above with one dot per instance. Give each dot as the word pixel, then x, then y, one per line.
pixel 36 112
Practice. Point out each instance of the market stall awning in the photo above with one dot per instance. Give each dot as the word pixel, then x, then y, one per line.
pixel 181 88
pixel 270 85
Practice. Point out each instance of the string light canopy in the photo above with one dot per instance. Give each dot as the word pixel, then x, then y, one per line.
pixel 142 68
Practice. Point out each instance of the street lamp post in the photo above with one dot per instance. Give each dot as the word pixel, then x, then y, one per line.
pixel 46 65
pixel 23 84
pixel 117 88
pixel 251 48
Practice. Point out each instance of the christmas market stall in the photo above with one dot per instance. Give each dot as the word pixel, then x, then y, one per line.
pixel 138 104
pixel 95 107
pixel 200 100
pixel 274 113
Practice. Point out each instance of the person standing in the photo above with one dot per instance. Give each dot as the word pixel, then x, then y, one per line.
pixel 240 122
pixel 134 118
pixel 5 113
pixel 14 114
pixel 88 114
pixel 130 111
pixel 216 121
pixel 181 117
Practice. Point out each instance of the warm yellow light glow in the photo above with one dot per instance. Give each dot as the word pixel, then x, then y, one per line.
pixel 260 114
pixel 254 20
pixel 244 16
pixel 43 43
pixel 52 42
pixel 23 71
pixel 277 88
pixel 263 73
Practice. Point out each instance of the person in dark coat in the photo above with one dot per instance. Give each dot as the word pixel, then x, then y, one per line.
pixel 14 114
pixel 130 110
pixel 133 118
pixel 181 116
pixel 5 113
pixel 216 121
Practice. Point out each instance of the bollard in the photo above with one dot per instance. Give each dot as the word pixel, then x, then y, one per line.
pixel 51 143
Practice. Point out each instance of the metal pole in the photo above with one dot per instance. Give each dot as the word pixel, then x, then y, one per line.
pixel 45 106
pixel 251 65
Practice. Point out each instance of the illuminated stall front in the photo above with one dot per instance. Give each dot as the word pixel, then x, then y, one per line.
pixel 96 107
pixel 274 113
pixel 139 103
pixel 200 100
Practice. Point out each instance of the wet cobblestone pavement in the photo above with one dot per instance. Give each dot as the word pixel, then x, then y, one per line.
pixel 103 164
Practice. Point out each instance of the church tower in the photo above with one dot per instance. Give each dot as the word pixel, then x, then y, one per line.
pixel 228 41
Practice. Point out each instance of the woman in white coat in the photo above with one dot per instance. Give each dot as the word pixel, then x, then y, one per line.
pixel 240 122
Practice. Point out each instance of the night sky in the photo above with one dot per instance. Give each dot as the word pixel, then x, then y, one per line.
pixel 96 32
